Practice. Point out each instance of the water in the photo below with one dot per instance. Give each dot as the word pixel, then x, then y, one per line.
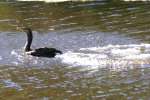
pixel 106 47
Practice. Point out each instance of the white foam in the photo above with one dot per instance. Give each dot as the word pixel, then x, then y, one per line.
pixel 125 52
pixel 111 55
pixel 140 56
pixel 79 59
pixel 1 58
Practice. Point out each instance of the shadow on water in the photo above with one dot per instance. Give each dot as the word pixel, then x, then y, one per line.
pixel 105 44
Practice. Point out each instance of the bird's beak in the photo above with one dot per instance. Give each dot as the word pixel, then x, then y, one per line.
pixel 20 28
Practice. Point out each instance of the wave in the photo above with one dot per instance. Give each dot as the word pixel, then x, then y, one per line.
pixel 113 56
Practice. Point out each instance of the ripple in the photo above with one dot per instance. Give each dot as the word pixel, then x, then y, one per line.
pixel 36 18
pixel 89 4
pixel 47 1
pixel 8 20
pixel 10 84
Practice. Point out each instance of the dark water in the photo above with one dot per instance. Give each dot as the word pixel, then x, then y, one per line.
pixel 106 47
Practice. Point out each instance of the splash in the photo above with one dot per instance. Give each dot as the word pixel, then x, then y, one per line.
pixel 116 57
pixel 112 56
pixel 21 58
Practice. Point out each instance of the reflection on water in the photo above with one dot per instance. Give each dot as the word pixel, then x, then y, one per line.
pixel 71 83
pixel 105 44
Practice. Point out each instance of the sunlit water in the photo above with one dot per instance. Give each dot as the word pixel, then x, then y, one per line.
pixel 105 44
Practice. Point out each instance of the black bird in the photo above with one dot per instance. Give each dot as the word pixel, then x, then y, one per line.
pixel 40 52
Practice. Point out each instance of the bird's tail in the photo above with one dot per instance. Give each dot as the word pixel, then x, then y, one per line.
pixel 58 51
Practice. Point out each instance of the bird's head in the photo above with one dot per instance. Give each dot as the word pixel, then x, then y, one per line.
pixel 26 29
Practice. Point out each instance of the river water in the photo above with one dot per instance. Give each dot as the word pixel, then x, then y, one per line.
pixel 105 44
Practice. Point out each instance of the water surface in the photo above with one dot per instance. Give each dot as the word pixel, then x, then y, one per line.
pixel 106 47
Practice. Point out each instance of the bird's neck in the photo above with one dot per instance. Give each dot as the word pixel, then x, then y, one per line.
pixel 29 41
